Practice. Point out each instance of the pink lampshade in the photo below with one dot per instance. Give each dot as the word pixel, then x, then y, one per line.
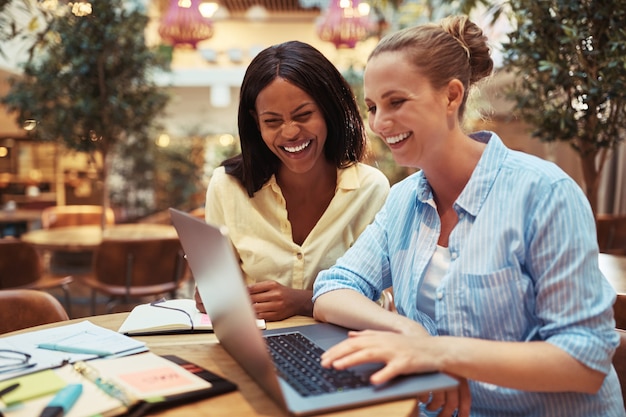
pixel 342 24
pixel 183 24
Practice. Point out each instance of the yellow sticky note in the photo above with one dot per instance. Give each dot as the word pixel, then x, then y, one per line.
pixel 32 386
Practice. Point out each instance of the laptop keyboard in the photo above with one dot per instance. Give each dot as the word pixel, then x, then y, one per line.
pixel 297 360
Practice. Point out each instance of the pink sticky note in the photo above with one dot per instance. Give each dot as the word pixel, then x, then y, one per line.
pixel 204 319
pixel 156 380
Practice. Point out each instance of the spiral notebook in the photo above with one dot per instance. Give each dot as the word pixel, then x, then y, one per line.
pixel 132 385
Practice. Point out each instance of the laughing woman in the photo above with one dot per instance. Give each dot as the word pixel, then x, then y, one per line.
pixel 298 195
pixel 492 253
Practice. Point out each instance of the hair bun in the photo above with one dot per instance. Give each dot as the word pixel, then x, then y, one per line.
pixel 474 42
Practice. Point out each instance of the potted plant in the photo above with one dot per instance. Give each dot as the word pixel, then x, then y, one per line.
pixel 569 58
pixel 87 83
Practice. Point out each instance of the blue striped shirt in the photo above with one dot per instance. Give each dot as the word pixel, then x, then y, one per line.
pixel 524 267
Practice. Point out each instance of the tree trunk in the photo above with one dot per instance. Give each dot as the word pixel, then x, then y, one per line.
pixel 591 178
pixel 592 162
pixel 105 189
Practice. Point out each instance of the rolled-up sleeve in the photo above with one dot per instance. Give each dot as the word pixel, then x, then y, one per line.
pixel 364 267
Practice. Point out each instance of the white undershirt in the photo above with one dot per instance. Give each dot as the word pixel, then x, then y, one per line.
pixel 437 268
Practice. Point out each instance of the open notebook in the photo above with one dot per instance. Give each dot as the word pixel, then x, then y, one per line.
pixel 168 317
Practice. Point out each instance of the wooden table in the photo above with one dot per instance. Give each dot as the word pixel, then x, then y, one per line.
pixel 614 269
pixel 249 400
pixel 87 238
pixel 21 220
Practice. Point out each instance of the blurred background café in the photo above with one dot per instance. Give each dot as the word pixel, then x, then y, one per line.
pixel 113 111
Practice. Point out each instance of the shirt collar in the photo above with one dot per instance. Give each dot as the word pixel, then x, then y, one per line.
pixel 348 178
pixel 484 176
pixel 476 190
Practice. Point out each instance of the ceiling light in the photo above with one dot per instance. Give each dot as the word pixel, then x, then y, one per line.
pixel 183 24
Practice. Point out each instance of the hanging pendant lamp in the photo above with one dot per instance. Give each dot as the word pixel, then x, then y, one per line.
pixel 183 24
pixel 344 23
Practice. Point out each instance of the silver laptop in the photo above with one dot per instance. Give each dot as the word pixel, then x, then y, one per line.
pixel 224 294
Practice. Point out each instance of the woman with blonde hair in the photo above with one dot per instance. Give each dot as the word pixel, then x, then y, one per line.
pixel 492 253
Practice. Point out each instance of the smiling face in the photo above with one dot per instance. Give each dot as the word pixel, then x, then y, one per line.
pixel 404 110
pixel 292 126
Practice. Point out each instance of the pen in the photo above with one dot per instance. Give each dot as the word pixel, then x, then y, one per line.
pixel 6 390
pixel 63 401
pixel 72 349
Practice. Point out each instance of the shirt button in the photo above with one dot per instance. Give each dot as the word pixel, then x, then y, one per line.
pixel 439 294
pixel 454 255
pixel 461 215
pixel 299 255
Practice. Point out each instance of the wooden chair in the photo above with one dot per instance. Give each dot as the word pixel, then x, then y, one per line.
pixel 198 212
pixel 386 300
pixel 75 215
pixel 22 308
pixel 619 361
pixel 619 311
pixel 131 269
pixel 611 231
pixel 619 358
pixel 21 267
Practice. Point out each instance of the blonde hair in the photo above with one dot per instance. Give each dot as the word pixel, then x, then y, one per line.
pixel 454 48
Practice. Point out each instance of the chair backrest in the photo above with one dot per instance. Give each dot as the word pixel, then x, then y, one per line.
pixel 619 311
pixel 20 263
pixel 619 361
pixel 20 309
pixel 75 215
pixel 198 212
pixel 619 358
pixel 611 233
pixel 136 263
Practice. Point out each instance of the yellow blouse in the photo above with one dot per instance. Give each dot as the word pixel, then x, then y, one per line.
pixel 261 233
